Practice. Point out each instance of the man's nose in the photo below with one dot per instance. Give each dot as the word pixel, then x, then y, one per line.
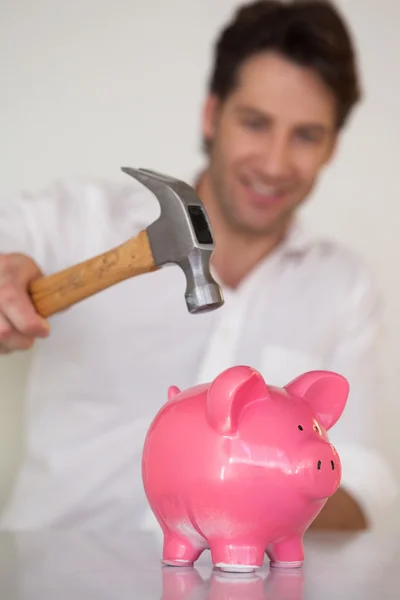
pixel 277 159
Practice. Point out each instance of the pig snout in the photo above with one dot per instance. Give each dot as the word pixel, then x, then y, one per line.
pixel 320 469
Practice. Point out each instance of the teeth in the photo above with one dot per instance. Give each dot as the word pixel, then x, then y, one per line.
pixel 264 190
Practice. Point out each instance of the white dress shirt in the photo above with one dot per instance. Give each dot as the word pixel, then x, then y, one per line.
pixel 96 383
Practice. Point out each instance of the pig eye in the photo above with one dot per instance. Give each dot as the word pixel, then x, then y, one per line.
pixel 300 427
pixel 316 428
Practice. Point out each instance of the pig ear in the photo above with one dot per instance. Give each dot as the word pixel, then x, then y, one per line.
pixel 326 393
pixel 173 390
pixel 229 393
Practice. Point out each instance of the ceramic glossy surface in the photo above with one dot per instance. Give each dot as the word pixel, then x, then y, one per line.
pixel 243 468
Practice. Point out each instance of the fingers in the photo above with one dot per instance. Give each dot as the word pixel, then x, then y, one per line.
pixel 11 340
pixel 20 323
pixel 19 311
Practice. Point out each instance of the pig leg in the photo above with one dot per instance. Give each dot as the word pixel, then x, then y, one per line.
pixel 180 549
pixel 183 543
pixel 287 553
pixel 236 555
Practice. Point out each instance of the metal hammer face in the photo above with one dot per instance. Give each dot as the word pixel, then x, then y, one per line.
pixel 182 236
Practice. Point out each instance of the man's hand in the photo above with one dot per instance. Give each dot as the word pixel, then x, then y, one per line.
pixel 20 324
pixel 340 513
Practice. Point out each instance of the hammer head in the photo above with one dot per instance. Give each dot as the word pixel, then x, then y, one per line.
pixel 182 235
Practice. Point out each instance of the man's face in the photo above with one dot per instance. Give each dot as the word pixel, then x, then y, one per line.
pixel 269 140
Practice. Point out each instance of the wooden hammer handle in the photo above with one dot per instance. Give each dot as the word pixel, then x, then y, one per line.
pixel 55 293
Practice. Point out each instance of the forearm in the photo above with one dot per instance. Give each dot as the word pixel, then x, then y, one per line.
pixel 341 513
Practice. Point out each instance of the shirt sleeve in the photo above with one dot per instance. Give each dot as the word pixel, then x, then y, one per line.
pixel 48 225
pixel 366 472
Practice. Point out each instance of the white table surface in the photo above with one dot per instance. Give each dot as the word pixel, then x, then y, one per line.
pixel 87 566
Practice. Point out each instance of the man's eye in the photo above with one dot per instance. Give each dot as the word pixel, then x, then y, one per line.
pixel 307 136
pixel 256 125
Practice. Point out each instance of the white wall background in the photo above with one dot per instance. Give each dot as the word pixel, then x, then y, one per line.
pixel 90 85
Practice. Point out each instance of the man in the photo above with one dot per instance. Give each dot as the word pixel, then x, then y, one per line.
pixel 283 85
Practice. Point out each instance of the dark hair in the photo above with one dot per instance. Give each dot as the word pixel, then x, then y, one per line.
pixel 311 33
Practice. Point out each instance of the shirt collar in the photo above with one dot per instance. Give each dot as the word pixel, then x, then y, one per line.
pixel 297 242
pixel 298 238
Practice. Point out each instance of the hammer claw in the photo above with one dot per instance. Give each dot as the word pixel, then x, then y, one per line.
pixel 182 236
pixel 147 178
pixel 158 183
pixel 157 175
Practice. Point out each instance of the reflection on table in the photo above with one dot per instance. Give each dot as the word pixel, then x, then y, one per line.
pixel 85 566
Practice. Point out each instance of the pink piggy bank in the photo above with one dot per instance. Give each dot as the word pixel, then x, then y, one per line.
pixel 243 468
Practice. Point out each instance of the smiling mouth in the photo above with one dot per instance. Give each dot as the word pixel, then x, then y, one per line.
pixel 263 194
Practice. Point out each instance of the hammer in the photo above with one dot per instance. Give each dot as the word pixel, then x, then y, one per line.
pixel 181 235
